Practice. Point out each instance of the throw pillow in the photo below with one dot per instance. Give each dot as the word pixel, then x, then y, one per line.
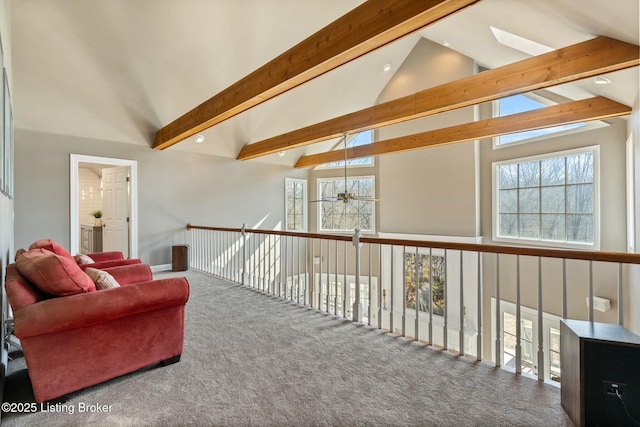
pixel 82 259
pixel 102 279
pixel 53 274
pixel 52 246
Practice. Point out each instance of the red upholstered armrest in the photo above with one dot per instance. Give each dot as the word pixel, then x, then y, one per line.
pixel 82 310
pixel 106 256
pixel 101 265
pixel 128 274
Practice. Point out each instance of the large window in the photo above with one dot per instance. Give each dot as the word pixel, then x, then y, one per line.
pixel 529 102
pixel 346 216
pixel 551 198
pixel 296 204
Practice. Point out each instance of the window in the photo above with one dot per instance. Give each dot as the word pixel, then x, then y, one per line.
pixel 548 199
pixel 528 339
pixel 296 204
pixel 521 103
pixel 526 343
pixel 431 275
pixel 362 138
pixel 346 216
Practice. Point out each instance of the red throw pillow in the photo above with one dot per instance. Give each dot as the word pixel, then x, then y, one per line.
pixel 53 274
pixel 52 246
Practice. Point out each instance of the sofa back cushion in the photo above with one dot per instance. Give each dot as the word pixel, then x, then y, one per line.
pixel 52 246
pixel 53 274
pixel 20 292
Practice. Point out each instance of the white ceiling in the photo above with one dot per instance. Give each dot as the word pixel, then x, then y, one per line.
pixel 118 70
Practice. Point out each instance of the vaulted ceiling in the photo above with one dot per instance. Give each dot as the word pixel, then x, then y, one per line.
pixel 119 70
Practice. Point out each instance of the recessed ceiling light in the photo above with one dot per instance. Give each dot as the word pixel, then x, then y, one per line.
pixel 599 80
pixel 519 43
pixel 387 66
pixel 282 153
pixel 445 43
pixel 199 139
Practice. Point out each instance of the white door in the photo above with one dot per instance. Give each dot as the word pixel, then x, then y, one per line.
pixel 115 217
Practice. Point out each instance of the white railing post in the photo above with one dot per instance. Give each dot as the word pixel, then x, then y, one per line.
pixel 416 288
pixel 244 253
pixel 540 325
pixel 498 342
pixel 480 304
pixel 357 306
pixel 590 291
pixel 620 297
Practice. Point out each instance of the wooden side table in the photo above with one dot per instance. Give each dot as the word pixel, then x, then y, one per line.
pixel 180 258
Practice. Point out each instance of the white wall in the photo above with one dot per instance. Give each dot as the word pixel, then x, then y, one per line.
pixel 428 191
pixel 174 188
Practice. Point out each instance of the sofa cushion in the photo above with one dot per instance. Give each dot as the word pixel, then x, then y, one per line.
pixel 52 246
pixel 102 279
pixel 82 259
pixel 53 274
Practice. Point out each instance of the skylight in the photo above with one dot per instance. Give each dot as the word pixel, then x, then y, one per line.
pixel 519 43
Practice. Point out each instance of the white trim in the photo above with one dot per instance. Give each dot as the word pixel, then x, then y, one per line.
pixel 595 149
pixel 305 203
pixel 161 267
pixel 74 222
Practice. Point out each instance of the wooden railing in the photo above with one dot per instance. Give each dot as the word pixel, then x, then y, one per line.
pixel 460 287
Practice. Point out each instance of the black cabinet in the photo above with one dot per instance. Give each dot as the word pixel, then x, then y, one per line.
pixel 596 360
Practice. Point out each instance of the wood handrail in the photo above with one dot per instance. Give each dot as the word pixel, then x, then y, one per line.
pixel 581 255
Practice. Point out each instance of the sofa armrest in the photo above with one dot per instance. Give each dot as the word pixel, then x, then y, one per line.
pixel 87 309
pixel 101 265
pixel 129 274
pixel 106 256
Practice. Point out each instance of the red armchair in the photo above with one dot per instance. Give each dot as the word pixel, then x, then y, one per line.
pixel 73 342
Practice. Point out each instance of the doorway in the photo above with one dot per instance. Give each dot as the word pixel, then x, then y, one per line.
pixel 119 184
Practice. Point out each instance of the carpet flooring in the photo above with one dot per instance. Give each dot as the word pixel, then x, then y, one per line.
pixel 255 360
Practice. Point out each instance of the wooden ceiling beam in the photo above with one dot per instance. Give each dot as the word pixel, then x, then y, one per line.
pixel 597 108
pixel 369 26
pixel 587 59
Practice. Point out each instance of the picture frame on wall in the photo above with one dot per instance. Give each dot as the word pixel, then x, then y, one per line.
pixel 7 138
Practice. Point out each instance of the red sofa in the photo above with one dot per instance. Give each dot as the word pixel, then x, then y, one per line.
pixel 75 341
pixel 101 259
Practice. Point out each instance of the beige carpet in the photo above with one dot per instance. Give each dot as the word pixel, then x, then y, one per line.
pixel 255 360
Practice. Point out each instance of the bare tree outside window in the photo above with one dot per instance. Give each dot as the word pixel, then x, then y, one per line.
pixel 295 196
pixel 339 216
pixel 430 268
pixel 552 199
